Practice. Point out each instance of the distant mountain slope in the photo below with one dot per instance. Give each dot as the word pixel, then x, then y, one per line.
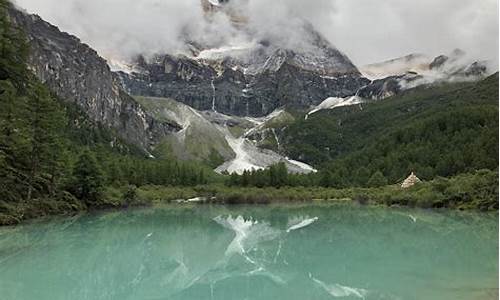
pixel 394 76
pixel 199 138
pixel 441 130
pixel 77 74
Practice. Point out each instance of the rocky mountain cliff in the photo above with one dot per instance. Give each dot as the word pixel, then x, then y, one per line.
pixel 231 91
pixel 248 80
pixel 77 74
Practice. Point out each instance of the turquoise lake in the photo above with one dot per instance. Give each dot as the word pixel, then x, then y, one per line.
pixel 253 252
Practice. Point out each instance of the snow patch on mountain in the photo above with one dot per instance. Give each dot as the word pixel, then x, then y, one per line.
pixel 214 2
pixel 334 102
pixel 307 168
pixel 225 51
pixel 121 66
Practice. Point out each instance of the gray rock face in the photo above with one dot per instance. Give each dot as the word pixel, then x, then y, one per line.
pixel 233 92
pixel 76 73
pixel 476 69
pixel 252 82
pixel 456 66
pixel 438 62
pixel 387 87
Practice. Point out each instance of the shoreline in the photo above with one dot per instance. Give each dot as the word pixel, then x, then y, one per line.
pixel 477 191
pixel 150 197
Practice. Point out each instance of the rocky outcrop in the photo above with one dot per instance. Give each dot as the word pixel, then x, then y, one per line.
pixel 254 86
pixel 476 69
pixel 77 74
pixel 384 88
pixel 438 62
pixel 456 66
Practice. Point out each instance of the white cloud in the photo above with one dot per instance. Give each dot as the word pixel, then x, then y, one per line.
pixel 376 30
pixel 120 27
pixel 366 30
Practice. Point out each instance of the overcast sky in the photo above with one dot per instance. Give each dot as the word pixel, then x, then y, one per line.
pixel 366 30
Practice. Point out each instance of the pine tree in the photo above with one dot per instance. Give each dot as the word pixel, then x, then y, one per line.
pixel 245 178
pixel 233 179
pixel 278 175
pixel 45 157
pixel 361 176
pixel 377 180
pixel 326 179
pixel 13 142
pixel 201 177
pixel 282 174
pixel 88 179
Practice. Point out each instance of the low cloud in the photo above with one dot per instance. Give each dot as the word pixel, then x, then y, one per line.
pixel 120 28
pixel 376 30
pixel 367 31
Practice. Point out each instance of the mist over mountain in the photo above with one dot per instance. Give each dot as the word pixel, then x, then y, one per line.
pixel 368 31
pixel 155 27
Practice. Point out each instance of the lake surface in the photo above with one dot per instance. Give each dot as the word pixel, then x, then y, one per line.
pixel 260 252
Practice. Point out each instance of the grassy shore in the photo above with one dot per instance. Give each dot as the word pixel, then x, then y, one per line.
pixel 478 190
pixel 468 191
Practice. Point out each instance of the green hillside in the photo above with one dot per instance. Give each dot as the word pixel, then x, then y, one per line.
pixel 442 130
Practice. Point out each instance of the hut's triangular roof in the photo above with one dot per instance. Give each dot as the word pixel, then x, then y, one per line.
pixel 410 181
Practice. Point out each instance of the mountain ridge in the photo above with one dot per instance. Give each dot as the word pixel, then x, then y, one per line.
pixel 76 73
pixel 254 82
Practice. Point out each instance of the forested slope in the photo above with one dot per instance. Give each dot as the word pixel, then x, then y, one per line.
pixel 435 131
